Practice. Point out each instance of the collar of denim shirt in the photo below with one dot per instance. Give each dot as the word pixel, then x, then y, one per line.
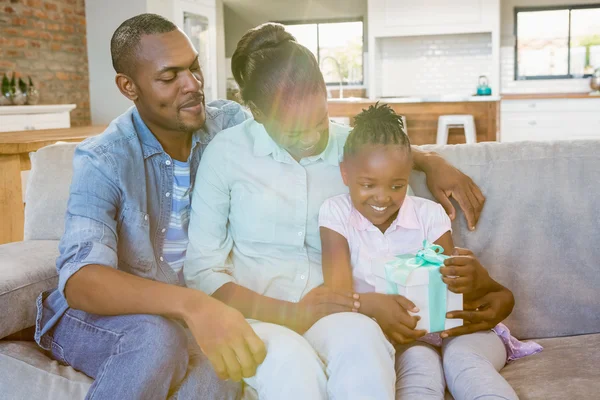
pixel 265 145
pixel 150 144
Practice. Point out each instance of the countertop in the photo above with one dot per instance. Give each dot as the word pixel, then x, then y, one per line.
pixel 426 99
pixel 26 141
pixel 539 96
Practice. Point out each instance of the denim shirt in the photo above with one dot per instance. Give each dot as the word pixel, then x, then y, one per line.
pixel 120 204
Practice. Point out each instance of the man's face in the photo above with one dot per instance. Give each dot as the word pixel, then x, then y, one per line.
pixel 169 82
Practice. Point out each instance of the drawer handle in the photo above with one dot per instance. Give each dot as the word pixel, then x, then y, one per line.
pixel 532 123
pixel 532 105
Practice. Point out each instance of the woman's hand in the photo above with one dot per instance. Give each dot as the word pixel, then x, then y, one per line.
pixel 463 273
pixel 391 313
pixel 318 303
pixel 483 313
pixel 445 181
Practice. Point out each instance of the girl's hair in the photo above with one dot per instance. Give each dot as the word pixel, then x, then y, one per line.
pixel 379 124
pixel 270 66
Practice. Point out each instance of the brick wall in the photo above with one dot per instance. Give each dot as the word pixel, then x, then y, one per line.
pixel 47 40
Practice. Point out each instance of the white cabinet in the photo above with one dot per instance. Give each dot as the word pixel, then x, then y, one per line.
pixel 549 119
pixel 27 118
pixel 431 17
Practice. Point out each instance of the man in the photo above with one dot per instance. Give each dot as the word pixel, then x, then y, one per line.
pixel 120 308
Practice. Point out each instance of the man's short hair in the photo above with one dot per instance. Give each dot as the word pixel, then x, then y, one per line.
pixel 126 39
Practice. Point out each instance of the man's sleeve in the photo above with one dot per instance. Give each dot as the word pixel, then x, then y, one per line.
pixel 90 223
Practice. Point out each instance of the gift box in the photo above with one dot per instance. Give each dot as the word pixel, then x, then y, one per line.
pixel 417 277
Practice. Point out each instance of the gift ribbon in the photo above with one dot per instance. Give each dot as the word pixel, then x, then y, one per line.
pixel 431 258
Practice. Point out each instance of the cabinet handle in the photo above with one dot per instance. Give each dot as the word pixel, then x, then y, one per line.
pixel 532 123
pixel 532 105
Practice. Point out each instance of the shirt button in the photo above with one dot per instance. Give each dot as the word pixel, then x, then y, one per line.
pixel 163 230
pixel 302 276
pixel 168 194
pixel 145 218
pixel 161 259
pixel 168 162
pixel 299 233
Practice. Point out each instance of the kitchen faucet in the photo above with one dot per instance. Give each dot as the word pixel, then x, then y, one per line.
pixel 339 70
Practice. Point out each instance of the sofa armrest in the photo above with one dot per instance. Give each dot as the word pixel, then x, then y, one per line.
pixel 26 269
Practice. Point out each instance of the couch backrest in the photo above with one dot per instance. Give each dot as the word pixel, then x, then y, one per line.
pixel 539 233
pixel 540 229
pixel 48 191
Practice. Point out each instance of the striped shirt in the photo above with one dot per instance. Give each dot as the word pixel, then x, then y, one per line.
pixel 176 239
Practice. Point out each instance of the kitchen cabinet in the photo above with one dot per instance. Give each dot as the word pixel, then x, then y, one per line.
pixel 550 119
pixel 431 17
pixel 28 118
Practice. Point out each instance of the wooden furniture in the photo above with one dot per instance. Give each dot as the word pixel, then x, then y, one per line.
pixel 14 158
pixel 549 117
pixel 28 118
pixel 422 117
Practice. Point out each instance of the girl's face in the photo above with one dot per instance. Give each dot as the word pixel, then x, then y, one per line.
pixel 377 176
pixel 301 126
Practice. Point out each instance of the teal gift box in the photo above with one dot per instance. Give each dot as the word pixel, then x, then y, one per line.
pixel 417 277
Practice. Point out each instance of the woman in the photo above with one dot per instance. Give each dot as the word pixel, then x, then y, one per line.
pixel 254 237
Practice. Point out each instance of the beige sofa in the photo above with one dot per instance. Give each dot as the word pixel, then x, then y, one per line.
pixel 539 235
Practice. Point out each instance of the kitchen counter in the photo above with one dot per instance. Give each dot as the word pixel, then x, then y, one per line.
pixel 426 99
pixel 422 114
pixel 541 96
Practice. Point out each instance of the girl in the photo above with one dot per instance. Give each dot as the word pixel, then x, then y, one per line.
pixel 377 219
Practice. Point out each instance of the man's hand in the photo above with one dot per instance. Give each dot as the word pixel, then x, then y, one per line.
pixel 391 314
pixel 463 273
pixel 318 303
pixel 445 181
pixel 226 338
pixel 483 313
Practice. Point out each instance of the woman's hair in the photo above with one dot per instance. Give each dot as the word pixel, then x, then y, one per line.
pixel 379 124
pixel 270 66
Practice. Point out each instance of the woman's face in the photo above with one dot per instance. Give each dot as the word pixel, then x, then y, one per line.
pixel 299 126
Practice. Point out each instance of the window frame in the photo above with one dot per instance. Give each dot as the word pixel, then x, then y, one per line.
pixel 548 8
pixel 333 21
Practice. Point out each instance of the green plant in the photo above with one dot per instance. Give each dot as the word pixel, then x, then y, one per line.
pixel 5 85
pixel 31 82
pixel 13 85
pixel 22 86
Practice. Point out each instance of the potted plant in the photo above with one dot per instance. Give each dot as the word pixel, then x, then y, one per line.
pixel 33 95
pixel 18 96
pixel 5 96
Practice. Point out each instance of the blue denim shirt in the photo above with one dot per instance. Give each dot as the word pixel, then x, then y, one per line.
pixel 120 204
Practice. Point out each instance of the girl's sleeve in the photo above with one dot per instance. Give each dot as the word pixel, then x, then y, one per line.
pixel 438 222
pixel 334 215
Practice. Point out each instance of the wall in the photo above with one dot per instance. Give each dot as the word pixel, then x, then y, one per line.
pixel 106 100
pixel 509 85
pixel 47 41
pixel 432 65
pixel 241 15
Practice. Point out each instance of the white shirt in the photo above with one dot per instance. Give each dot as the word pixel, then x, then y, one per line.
pixel 417 220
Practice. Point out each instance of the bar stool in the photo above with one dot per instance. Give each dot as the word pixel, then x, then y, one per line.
pixel 445 122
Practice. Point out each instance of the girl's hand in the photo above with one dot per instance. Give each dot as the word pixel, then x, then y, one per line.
pixel 463 273
pixel 483 313
pixel 391 313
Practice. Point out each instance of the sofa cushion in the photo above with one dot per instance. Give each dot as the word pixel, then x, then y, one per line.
pixel 27 269
pixel 538 231
pixel 48 191
pixel 27 373
pixel 566 369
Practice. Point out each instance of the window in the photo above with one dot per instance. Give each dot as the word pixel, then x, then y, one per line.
pixel 334 43
pixel 557 42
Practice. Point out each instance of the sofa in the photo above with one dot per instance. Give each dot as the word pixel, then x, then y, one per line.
pixel 539 235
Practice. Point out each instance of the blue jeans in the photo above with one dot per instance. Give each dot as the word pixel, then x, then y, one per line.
pixel 137 357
